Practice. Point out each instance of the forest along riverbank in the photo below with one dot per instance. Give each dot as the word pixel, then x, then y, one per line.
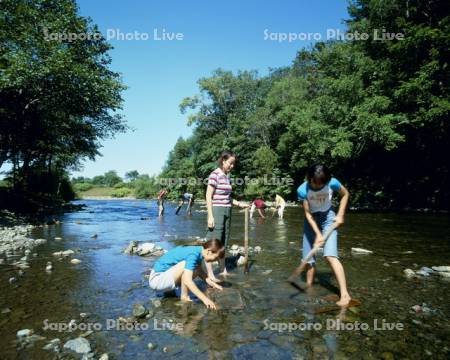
pixel 74 271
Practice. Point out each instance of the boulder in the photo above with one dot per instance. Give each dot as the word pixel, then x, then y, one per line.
pixel 145 249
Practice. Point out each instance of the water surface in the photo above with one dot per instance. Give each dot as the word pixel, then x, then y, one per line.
pixel 108 283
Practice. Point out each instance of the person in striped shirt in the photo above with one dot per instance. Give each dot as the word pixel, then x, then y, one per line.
pixel 219 203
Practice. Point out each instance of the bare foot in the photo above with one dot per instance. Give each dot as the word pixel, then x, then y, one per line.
pixel 344 301
pixel 185 298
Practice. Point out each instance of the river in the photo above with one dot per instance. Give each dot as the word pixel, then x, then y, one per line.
pixel 107 283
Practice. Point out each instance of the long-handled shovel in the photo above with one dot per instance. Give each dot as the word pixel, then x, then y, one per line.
pixel 298 271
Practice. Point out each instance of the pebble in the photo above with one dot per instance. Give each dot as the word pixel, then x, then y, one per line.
pixel 52 345
pixel 75 261
pixel 24 333
pixel 49 267
pixel 441 268
pixel 139 311
pixel 156 303
pixel 151 346
pixel 12 280
pixel 94 236
pixel 257 249
pixel 444 274
pixel 104 357
pixel 58 238
pixel 80 345
pixel 64 253
pixel 361 251
pixel 409 273
pixel 40 241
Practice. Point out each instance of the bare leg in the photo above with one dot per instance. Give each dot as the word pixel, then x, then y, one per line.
pixel 161 208
pixel 338 270
pixel 189 207
pixel 184 296
pixel 223 269
pixel 310 275
pixel 252 210
pixel 210 272
pixel 178 271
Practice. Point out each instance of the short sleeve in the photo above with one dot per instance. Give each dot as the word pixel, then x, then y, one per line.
pixel 335 185
pixel 302 191
pixel 212 180
pixel 191 261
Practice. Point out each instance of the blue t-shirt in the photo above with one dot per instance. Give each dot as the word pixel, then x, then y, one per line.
pixel 319 200
pixel 191 254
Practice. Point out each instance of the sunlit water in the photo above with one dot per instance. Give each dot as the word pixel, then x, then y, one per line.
pixel 108 283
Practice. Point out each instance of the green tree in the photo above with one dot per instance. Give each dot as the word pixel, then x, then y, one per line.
pixel 111 178
pixel 58 98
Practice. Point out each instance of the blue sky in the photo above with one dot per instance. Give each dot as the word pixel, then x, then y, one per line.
pixel 159 74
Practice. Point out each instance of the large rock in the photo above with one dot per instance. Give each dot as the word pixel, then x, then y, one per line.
pixel 79 345
pixel 145 249
pixel 131 248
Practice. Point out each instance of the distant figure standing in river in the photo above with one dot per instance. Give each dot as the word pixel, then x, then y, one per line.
pixel 161 197
pixel 280 204
pixel 316 194
pixel 186 197
pixel 260 205
pixel 219 203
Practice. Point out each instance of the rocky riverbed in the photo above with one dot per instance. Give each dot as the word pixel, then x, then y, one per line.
pixel 76 294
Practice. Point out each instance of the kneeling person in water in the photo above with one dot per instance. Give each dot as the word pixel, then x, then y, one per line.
pixel 181 265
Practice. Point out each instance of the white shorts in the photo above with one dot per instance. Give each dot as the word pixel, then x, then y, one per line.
pixel 162 281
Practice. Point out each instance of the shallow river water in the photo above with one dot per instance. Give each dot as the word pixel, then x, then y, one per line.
pixel 277 322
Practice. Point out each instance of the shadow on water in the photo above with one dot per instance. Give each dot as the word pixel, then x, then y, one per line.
pixel 107 283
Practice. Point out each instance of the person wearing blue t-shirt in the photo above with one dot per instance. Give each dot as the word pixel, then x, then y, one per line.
pixel 181 265
pixel 316 195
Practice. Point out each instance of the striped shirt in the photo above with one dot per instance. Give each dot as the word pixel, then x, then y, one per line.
pixel 222 188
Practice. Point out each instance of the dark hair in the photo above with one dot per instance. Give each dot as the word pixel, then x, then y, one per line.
pixel 216 246
pixel 224 156
pixel 319 173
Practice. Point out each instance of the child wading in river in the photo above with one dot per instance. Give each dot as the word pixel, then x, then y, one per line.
pixel 316 194
pixel 181 265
